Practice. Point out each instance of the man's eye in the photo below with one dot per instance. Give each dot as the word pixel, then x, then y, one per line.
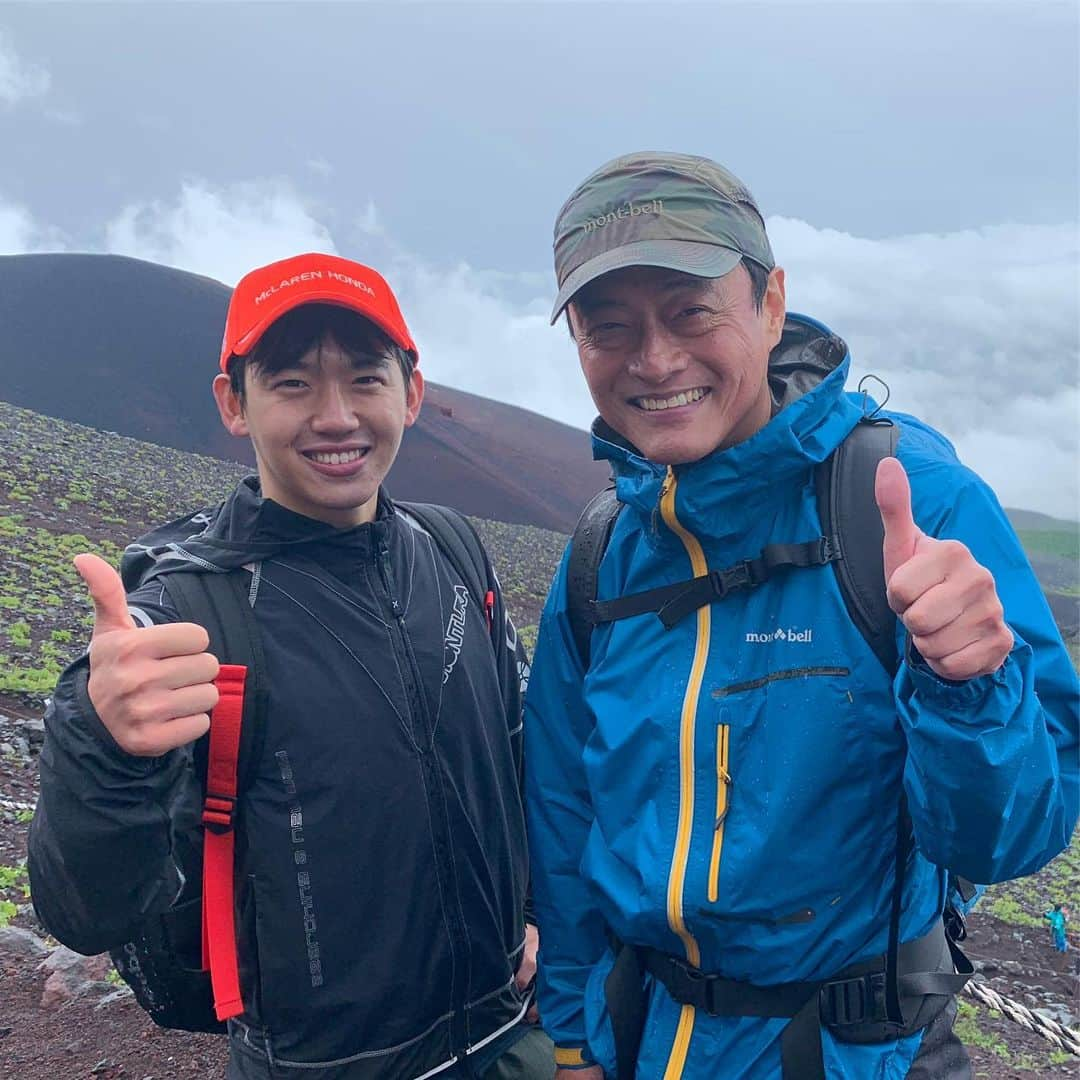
pixel 367 380
pixel 690 312
pixel 288 384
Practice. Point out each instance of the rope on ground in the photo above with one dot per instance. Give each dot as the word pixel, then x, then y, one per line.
pixel 1062 1037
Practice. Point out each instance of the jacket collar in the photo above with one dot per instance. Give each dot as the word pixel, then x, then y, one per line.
pixel 247 528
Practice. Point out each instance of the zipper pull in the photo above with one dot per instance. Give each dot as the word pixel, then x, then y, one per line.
pixel 658 510
pixel 388 578
pixel 665 485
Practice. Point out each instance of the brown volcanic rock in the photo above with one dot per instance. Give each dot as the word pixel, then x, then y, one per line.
pixel 128 346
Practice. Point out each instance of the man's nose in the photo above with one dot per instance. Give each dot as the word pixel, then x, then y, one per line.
pixel 659 355
pixel 334 410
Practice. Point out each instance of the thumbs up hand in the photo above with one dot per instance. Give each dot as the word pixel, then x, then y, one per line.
pixel 947 601
pixel 153 687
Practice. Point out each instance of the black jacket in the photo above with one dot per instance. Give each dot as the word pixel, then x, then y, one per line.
pixel 381 865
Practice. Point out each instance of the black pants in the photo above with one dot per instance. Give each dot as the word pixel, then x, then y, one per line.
pixel 941 1055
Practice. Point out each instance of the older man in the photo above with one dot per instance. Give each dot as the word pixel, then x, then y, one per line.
pixel 745 814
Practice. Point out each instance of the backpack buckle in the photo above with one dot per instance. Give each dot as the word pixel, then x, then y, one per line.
pixel 219 812
pixel 853 1001
pixel 689 985
pixel 739 576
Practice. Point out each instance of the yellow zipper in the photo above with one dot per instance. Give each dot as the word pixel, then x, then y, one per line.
pixel 681 854
pixel 723 782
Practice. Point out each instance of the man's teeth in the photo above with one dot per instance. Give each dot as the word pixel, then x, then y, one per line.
pixel 338 459
pixel 651 404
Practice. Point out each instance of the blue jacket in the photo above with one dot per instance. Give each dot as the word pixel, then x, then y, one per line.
pixel 727 790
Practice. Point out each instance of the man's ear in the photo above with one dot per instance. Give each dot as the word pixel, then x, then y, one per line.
pixel 414 397
pixel 230 407
pixel 774 305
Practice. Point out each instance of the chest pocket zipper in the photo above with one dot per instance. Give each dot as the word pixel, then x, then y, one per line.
pixel 779 676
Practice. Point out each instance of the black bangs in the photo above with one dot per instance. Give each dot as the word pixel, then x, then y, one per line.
pixel 287 339
pixel 295 333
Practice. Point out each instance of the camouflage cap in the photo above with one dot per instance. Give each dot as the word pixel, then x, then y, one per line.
pixel 655 209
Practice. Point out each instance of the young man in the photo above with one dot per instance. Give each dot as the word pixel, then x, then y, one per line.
pixel 380 861
pixel 725 798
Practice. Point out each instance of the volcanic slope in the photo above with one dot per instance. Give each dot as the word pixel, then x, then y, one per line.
pixel 129 346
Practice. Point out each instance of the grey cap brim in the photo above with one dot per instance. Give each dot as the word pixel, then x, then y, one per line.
pixel 701 260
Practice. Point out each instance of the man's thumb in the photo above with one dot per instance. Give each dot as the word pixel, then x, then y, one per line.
pixel 107 593
pixel 893 495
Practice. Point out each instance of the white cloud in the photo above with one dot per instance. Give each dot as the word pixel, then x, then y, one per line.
pixel 220 233
pixel 18 78
pixel 489 334
pixel 369 222
pixel 21 234
pixel 976 332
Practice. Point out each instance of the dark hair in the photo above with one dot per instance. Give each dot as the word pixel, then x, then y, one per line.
pixel 759 284
pixel 287 339
pixel 759 281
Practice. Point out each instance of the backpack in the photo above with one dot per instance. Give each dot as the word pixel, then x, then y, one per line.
pixel 182 965
pixel 851 542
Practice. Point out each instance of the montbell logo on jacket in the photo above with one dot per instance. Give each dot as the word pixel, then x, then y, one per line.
pixel 726 791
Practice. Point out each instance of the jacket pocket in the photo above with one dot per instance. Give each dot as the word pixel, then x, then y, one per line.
pixel 248 950
pixel 780 676
pixel 764 776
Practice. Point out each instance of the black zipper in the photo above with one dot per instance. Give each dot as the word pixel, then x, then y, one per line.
pixel 777 676
pixel 441 834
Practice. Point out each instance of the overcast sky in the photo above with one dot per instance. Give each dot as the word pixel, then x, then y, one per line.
pixel 917 164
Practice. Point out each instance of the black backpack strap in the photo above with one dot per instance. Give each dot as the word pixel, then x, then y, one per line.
pixel 848 511
pixel 459 542
pixel 587 547
pixel 221 604
pixel 672 603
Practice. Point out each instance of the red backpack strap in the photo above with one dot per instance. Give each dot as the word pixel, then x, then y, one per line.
pixel 219 809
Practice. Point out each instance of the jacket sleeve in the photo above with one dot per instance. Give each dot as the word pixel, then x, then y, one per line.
pixel 102 845
pixel 560 816
pixel 991 775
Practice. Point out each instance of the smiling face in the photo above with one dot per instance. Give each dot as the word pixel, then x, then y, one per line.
pixel 678 364
pixel 326 428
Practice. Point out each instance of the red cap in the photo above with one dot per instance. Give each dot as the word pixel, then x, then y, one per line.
pixel 268 292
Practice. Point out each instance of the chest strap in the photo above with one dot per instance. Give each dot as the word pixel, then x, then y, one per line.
pixel 852 1003
pixel 672 603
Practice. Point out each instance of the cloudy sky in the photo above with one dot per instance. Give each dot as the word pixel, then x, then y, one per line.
pixel 917 164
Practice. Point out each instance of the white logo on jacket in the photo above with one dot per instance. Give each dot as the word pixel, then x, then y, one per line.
pixel 803 637
pixel 455 630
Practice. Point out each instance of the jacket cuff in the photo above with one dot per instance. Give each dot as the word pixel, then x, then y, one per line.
pixel 572 1057
pixel 951 696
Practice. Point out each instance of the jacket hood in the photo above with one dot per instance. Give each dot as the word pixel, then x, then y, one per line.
pixel 245 528
pixel 811 416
